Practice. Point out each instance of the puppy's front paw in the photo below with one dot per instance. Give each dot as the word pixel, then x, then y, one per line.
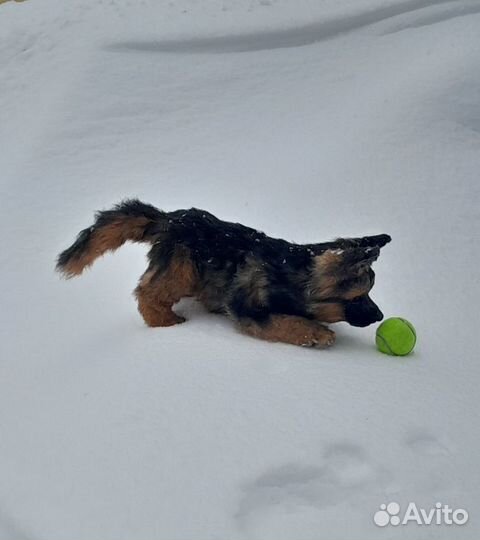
pixel 320 338
pixel 327 339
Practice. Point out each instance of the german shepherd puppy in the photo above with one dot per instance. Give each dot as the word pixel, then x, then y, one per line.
pixel 271 288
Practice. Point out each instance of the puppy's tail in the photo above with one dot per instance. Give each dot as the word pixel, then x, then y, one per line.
pixel 129 220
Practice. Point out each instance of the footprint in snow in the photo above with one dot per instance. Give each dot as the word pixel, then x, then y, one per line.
pixel 343 472
pixel 426 444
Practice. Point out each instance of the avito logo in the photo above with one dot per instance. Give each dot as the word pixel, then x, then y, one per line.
pixel 440 514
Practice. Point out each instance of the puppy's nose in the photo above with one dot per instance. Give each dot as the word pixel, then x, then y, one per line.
pixel 378 315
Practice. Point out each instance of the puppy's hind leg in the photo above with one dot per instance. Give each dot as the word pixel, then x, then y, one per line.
pixel 154 302
pixel 157 293
pixel 158 314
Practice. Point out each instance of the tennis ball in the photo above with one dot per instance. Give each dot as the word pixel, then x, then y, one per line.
pixel 396 336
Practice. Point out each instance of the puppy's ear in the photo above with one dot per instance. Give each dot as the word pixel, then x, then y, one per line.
pixel 344 262
pixel 343 273
pixel 360 257
pixel 378 240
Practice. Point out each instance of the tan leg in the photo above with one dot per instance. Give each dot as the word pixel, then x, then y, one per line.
pixel 291 329
pixel 158 315
pixel 157 294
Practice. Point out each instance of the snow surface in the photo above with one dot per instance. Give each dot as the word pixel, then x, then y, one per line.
pixel 309 120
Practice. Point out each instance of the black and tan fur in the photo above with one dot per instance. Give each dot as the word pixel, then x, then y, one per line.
pixel 271 288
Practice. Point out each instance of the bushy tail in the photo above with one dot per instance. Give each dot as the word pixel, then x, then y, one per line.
pixel 129 220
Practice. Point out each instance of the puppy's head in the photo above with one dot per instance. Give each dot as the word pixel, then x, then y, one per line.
pixel 342 280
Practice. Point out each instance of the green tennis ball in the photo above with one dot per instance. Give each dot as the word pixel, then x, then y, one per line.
pixel 396 336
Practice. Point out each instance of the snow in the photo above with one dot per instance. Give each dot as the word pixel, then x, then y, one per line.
pixel 307 120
